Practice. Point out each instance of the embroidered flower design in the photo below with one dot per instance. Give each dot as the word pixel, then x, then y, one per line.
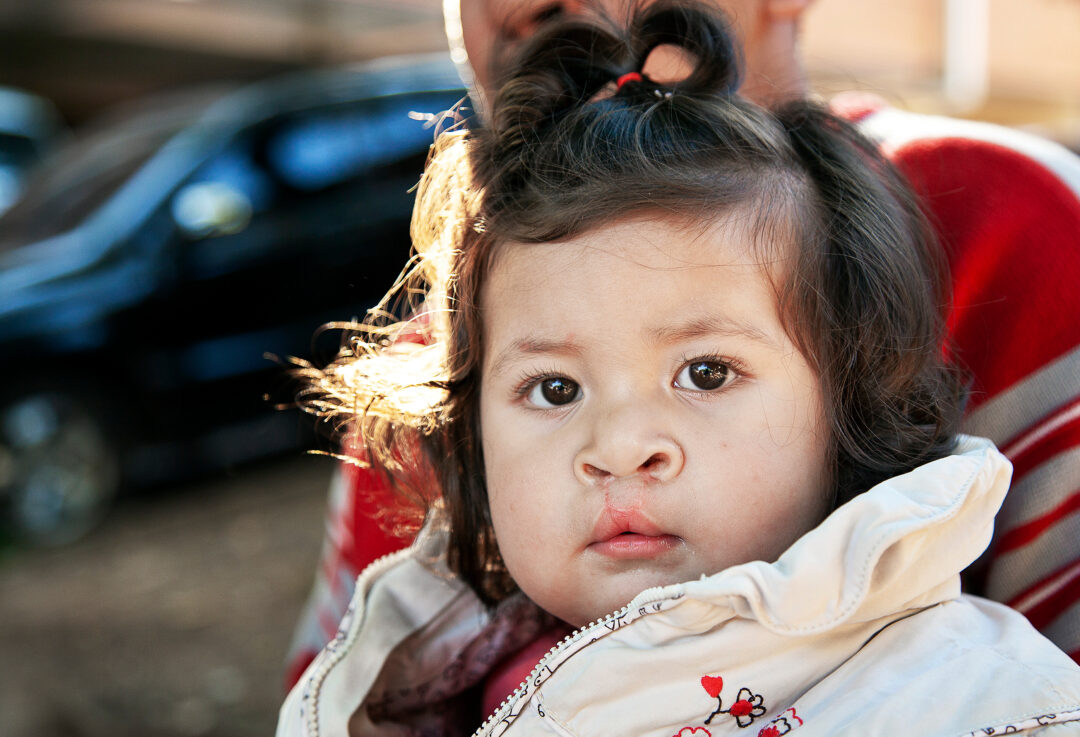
pixel 748 706
pixel 693 732
pixel 781 725
pixel 775 728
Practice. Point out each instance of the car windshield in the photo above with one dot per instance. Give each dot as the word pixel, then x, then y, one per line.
pixel 74 180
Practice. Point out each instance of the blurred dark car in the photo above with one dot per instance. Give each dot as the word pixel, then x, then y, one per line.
pixel 29 127
pixel 151 266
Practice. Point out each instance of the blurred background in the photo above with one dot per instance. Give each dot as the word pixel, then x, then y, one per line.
pixel 189 188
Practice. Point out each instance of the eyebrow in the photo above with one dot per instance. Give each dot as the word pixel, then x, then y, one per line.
pixel 700 327
pixel 534 347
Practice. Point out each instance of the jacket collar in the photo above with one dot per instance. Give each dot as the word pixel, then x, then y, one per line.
pixel 899 546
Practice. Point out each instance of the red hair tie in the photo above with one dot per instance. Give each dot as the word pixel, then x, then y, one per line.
pixel 628 77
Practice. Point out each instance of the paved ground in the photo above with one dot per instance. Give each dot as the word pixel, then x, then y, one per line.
pixel 170 620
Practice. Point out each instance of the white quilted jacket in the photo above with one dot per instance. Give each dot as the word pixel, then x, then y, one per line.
pixel 858 629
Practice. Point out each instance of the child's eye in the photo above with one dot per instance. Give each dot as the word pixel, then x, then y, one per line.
pixel 704 375
pixel 554 391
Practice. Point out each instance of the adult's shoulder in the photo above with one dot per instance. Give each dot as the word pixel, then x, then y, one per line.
pixel 965 150
pixel 1005 205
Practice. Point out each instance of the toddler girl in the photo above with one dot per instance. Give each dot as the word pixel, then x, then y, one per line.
pixel 675 386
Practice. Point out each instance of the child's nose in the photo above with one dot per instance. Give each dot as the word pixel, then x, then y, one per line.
pixel 629 443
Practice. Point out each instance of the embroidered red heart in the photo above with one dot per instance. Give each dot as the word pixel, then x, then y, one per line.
pixel 713 685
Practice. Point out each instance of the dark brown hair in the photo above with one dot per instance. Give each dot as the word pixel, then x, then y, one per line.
pixel 565 151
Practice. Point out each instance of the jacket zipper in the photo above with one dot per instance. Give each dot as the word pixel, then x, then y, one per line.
pixel 646 597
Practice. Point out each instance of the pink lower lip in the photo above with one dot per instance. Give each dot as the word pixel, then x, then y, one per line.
pixel 634 545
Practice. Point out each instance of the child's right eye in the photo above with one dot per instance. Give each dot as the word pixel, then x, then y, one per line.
pixel 554 391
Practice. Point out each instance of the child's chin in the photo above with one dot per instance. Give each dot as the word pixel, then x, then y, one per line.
pixel 598 604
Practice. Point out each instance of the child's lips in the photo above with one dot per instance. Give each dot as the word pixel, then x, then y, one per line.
pixel 634 545
pixel 629 533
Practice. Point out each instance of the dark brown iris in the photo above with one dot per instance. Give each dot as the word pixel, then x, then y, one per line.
pixel 559 391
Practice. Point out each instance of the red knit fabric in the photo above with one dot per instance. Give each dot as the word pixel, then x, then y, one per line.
pixel 1014 307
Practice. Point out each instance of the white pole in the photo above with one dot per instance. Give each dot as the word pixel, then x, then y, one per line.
pixel 966 73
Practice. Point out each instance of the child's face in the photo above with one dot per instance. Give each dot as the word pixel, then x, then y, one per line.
pixel 645 417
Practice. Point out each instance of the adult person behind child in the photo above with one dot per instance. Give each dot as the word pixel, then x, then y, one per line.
pixel 1006 207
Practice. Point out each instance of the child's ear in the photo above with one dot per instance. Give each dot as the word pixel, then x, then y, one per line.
pixel 786 9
